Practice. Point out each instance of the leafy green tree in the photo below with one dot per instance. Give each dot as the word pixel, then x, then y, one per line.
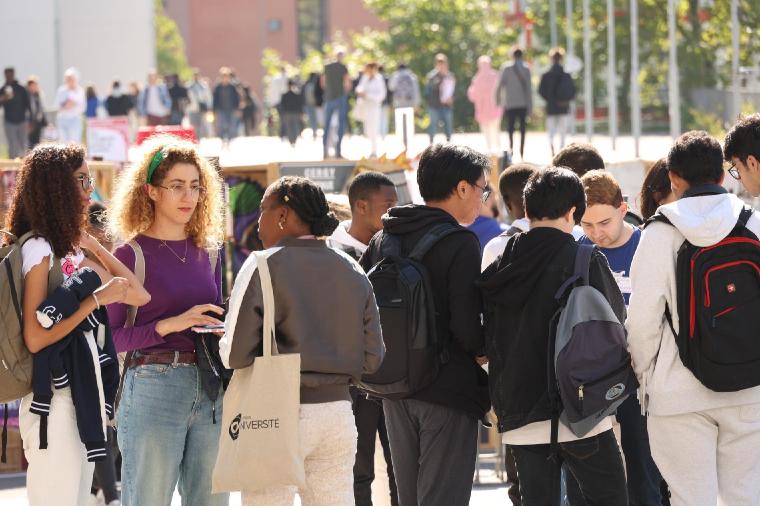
pixel 170 46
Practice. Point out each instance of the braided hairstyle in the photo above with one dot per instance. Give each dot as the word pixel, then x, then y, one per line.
pixel 308 201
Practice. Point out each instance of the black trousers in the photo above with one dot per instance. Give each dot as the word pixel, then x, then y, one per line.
pixel 433 449
pixel 513 115
pixel 513 481
pixel 105 470
pixel 595 463
pixel 370 420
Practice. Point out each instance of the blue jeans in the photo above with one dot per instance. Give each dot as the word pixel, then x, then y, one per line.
pixel 225 124
pixel 437 115
pixel 311 112
pixel 339 106
pixel 167 437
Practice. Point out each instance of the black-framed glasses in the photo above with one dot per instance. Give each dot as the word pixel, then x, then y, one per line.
pixel 486 191
pixel 734 172
pixel 179 190
pixel 87 182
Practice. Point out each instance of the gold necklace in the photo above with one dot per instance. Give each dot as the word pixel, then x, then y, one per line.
pixel 182 259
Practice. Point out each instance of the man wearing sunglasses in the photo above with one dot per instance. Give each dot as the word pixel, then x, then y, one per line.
pixel 742 150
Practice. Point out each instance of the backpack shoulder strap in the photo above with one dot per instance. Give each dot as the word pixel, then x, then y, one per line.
pixel 744 216
pixel 139 271
pixel 213 255
pixel 658 217
pixel 431 238
pixel 580 270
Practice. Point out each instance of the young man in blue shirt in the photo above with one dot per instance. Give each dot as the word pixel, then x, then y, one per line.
pixel 604 225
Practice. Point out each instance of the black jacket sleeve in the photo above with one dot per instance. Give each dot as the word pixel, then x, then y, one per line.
pixel 601 278
pixel 464 296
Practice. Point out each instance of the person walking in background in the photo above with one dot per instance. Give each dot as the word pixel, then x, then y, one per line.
pixel 557 89
pixel 337 83
pixel 15 101
pixel 313 96
pixel 226 105
pixel 515 94
pixel 294 217
pixel 250 108
pixel 118 103
pixel 179 97
pixel 291 106
pixel 482 94
pixel 199 103
pixel 154 102
pixel 93 102
pixel 71 103
pixel 278 86
pixel 37 117
pixel 405 87
pixel 386 103
pixel 370 94
pixel 440 97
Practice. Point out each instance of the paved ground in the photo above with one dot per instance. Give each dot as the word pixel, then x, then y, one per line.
pixel 261 150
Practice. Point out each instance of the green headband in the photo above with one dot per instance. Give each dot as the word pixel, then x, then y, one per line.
pixel 155 162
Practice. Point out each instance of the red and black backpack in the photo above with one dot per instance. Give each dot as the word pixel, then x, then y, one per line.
pixel 718 304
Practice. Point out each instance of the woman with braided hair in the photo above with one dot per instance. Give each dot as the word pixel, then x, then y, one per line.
pixel 325 310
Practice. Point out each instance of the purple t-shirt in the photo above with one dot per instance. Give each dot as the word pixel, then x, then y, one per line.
pixel 174 287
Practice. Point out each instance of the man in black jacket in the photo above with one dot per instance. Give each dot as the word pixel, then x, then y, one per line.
pixel 558 89
pixel 433 433
pixel 519 292
pixel 15 102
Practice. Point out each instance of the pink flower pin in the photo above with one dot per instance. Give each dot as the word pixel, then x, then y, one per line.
pixel 68 267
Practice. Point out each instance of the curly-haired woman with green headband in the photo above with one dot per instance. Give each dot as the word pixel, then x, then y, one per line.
pixel 169 208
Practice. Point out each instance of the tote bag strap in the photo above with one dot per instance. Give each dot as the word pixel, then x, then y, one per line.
pixel 270 344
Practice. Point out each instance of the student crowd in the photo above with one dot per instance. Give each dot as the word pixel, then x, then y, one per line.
pixel 689 436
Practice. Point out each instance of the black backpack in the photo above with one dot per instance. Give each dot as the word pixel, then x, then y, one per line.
pixel 718 304
pixel 413 350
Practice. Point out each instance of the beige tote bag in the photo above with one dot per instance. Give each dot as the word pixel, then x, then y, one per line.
pixel 259 444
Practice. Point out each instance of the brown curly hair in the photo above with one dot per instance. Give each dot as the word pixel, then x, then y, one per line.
pixel 47 198
pixel 131 210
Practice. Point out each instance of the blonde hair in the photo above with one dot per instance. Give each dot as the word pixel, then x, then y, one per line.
pixel 132 211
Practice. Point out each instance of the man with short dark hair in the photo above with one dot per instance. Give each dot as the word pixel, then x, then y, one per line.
pixel 118 103
pixel 579 157
pixel 742 150
pixel 15 101
pixel 37 118
pixel 370 195
pixel 520 300
pixel 511 184
pixel 704 441
pixel 433 433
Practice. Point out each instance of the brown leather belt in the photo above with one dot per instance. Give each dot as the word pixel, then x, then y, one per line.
pixel 166 358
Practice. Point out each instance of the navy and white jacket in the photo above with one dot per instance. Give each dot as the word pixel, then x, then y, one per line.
pixel 70 363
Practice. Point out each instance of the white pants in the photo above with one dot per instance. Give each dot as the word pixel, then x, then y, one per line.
pixel 371 122
pixel 401 115
pixel 328 446
pixel 491 132
pixel 60 474
pixel 556 124
pixel 710 457
pixel 70 129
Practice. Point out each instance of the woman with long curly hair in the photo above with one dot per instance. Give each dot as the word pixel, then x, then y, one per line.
pixel 168 208
pixel 51 202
